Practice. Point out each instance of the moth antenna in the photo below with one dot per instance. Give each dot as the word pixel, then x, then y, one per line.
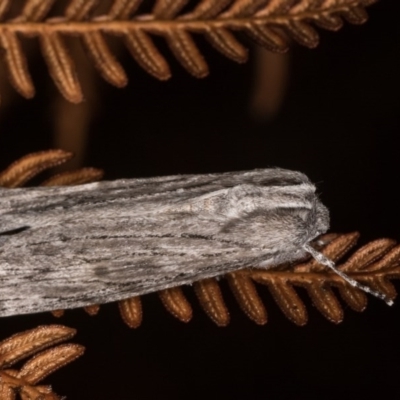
pixel 330 264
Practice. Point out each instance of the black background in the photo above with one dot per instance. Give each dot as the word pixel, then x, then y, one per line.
pixel 339 124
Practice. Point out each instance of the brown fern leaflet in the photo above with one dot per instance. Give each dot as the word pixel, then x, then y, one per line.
pixel 46 359
pixel 270 23
pixel 374 264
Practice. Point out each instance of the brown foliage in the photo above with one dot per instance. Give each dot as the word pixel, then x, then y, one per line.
pixel 270 23
pixel 46 359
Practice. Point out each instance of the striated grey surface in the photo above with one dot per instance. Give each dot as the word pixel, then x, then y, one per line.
pixel 67 247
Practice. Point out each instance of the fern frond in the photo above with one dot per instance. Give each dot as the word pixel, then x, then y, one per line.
pixel 176 303
pixel 271 23
pixel 246 295
pixel 48 361
pixel 374 264
pixel 79 177
pixel 26 168
pixel 25 344
pixel 210 298
pixel 131 311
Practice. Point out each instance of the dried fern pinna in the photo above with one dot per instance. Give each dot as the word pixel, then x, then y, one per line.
pixel 375 265
pixel 270 23
pixel 47 358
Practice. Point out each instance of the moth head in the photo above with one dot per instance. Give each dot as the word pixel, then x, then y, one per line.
pixel 280 228
pixel 321 219
pixel 314 221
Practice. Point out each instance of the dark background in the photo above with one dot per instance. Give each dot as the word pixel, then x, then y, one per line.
pixel 339 124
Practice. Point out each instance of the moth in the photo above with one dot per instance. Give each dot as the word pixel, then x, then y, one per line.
pixel 68 247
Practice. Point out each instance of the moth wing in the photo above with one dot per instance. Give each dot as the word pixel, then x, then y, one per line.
pixel 30 207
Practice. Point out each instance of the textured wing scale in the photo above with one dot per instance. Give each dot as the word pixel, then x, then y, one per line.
pixel 105 241
pixel 374 264
pixel 270 23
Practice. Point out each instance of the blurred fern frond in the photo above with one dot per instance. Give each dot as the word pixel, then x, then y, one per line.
pixel 270 23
